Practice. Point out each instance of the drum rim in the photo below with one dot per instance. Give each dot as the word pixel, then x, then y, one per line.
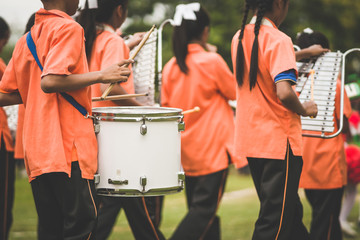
pixel 108 112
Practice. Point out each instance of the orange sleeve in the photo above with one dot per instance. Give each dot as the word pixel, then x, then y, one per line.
pixel 280 56
pixel 225 80
pixel 66 51
pixel 8 83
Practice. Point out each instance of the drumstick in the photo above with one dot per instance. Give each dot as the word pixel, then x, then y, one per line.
pixel 141 44
pixel 312 73
pixel 119 97
pixel 195 109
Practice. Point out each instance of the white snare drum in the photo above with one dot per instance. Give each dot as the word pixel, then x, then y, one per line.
pixel 139 151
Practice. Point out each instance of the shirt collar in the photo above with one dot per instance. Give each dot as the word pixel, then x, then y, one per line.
pixel 195 47
pixel 105 27
pixel 265 21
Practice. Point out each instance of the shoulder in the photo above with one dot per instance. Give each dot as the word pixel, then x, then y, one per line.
pixel 276 37
pixel 63 27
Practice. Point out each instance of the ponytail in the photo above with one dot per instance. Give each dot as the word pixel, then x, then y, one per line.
pixel 188 31
pixel 240 58
pixel 87 21
pixel 254 62
pixel 90 18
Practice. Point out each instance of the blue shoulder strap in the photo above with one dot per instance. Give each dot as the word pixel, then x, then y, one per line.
pixel 32 47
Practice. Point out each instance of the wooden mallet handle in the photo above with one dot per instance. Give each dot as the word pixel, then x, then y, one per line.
pixel 141 44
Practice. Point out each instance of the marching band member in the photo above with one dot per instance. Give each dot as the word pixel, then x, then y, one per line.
pixel 198 77
pixel 268 128
pixel 7 162
pixel 59 142
pixel 104 47
pixel 324 170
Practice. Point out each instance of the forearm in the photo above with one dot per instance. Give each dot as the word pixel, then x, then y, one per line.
pixel 7 99
pixel 288 97
pixel 68 83
pixel 291 102
pixel 302 54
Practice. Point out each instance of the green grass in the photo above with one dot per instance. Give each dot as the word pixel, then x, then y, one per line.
pixel 238 212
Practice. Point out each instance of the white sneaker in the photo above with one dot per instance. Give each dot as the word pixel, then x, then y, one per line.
pixel 347 229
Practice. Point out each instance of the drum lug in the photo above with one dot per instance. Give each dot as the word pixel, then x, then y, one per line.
pixel 96 126
pixel 181 126
pixel 118 182
pixel 143 182
pixel 143 127
pixel 181 178
pixel 97 178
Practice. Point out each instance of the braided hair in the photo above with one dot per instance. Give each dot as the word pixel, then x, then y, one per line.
pixel 261 7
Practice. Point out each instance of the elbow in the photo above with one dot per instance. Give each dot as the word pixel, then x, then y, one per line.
pixel 47 86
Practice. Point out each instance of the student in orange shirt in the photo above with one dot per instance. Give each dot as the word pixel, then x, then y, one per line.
pixel 59 141
pixel 198 77
pixel 7 163
pixel 268 128
pixel 324 170
pixel 104 47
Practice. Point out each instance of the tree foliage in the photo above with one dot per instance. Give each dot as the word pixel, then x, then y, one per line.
pixel 338 20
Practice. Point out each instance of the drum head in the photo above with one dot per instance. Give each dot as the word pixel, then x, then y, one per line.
pixel 135 112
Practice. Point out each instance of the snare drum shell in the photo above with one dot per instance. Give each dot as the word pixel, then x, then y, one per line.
pixel 128 156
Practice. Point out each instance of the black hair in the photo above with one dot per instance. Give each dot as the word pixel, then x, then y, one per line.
pixel 90 18
pixel 261 7
pixel 30 23
pixel 305 40
pixel 188 31
pixel 4 29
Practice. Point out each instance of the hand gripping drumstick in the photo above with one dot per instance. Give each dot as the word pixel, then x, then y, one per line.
pixel 119 97
pixel 195 109
pixel 141 44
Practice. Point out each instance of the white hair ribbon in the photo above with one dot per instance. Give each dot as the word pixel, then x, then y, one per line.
pixel 185 11
pixel 92 4
pixel 308 30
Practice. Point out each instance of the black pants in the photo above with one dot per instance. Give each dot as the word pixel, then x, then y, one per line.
pixel 203 195
pixel 7 185
pixel 281 212
pixel 66 206
pixel 143 215
pixel 325 206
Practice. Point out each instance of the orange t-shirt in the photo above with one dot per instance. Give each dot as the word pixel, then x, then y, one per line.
pixel 52 126
pixel 4 127
pixel 108 49
pixel 263 124
pixel 324 159
pixel 209 134
pixel 19 146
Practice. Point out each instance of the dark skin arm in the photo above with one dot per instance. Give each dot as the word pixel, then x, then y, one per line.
pixel 314 50
pixel 7 99
pixel 65 83
pixel 290 100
